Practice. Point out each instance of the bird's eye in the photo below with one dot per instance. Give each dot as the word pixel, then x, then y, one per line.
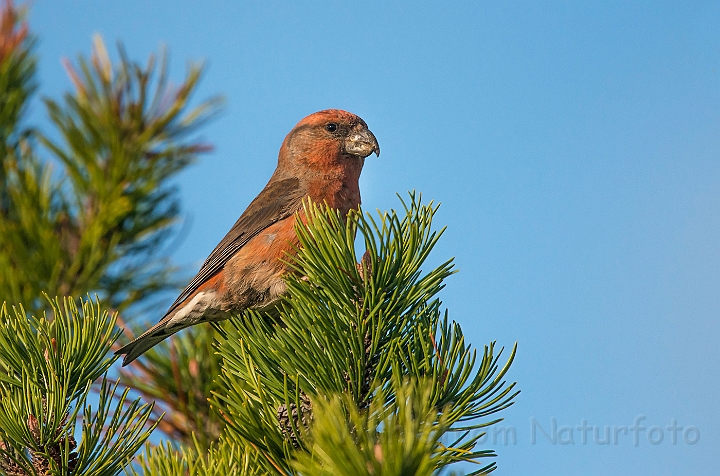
pixel 331 127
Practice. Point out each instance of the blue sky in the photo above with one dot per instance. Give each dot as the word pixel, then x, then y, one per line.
pixel 575 149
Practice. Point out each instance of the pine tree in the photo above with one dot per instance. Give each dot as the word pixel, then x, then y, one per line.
pixel 359 371
pixel 90 212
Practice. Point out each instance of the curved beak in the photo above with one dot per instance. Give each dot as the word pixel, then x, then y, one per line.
pixel 362 143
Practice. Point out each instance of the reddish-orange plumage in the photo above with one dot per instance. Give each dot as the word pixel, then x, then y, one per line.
pixel 320 159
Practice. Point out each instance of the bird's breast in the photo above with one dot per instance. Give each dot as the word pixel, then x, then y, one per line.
pixel 342 195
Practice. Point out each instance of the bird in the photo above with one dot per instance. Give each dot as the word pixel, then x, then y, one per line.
pixel 320 159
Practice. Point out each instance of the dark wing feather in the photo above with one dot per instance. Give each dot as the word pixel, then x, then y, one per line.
pixel 278 200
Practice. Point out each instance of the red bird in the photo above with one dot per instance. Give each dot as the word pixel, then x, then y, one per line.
pixel 321 158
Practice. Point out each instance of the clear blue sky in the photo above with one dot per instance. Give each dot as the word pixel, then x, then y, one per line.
pixel 575 147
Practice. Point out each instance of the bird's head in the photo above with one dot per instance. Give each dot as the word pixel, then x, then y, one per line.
pixel 328 140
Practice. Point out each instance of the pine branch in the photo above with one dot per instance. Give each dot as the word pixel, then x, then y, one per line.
pixel 47 367
pixel 124 134
pixel 356 331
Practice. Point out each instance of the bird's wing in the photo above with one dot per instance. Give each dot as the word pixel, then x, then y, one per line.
pixel 278 200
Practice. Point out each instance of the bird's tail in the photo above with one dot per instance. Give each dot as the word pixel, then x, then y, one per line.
pixel 145 342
